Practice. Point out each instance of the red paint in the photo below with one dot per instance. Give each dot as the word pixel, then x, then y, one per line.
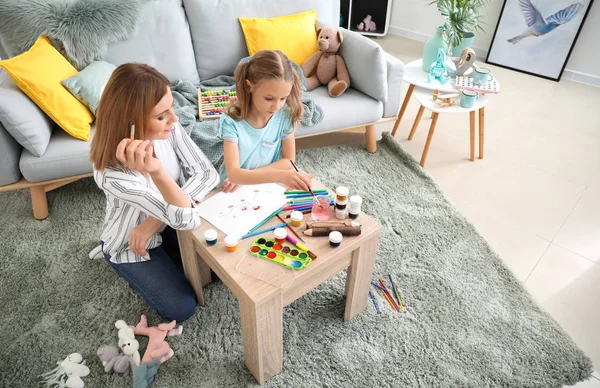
pixel 277 247
pixel 271 255
pixel 255 249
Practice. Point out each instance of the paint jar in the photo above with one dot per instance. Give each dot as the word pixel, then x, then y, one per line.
pixel 341 205
pixel 342 193
pixel 321 208
pixel 211 236
pixel 280 235
pixel 354 208
pixel 231 243
pixel 296 218
pixel 340 214
pixel 335 239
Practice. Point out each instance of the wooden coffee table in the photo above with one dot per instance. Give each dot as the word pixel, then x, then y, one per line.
pixel 261 303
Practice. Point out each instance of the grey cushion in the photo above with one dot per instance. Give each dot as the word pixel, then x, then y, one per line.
pixel 162 40
pixel 65 156
pixel 351 109
pixel 22 118
pixel 366 64
pixel 9 158
pixel 218 39
pixel 395 74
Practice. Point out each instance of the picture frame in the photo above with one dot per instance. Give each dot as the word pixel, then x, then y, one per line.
pixel 536 37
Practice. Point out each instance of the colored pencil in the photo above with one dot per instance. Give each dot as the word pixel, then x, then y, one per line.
pixel 290 228
pixel 374 303
pixel 301 208
pixel 295 192
pixel 307 195
pixel 397 295
pixel 270 228
pixel 295 207
pixel 301 211
pixel 265 220
pixel 386 296
pixel 301 246
pixel 387 291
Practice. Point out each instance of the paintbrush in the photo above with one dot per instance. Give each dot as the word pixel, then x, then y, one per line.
pixel 309 189
pixel 290 228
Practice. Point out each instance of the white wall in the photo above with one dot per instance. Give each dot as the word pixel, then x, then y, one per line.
pixel 415 19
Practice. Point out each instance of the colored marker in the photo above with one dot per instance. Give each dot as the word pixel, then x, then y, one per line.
pixel 374 303
pixel 264 230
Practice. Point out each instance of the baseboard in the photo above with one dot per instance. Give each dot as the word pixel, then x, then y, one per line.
pixel 568 74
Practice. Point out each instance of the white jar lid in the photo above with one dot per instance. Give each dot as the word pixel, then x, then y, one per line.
pixel 335 237
pixel 296 216
pixel 356 200
pixel 231 241
pixel 342 191
pixel 280 233
pixel 210 234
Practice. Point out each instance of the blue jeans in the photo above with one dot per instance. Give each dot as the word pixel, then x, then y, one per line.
pixel 160 281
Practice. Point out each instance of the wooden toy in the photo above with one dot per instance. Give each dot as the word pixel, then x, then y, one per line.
pixel 445 99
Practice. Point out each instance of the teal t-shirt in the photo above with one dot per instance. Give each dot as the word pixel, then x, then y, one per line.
pixel 257 147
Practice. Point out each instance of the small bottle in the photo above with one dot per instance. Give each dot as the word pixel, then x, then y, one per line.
pixel 335 239
pixel 354 208
pixel 297 218
pixel 280 235
pixel 211 236
pixel 340 214
pixel 342 193
pixel 231 243
pixel 341 204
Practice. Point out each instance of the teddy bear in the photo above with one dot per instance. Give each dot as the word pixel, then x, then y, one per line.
pixel 327 66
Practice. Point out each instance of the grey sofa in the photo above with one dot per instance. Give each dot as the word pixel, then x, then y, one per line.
pixel 185 39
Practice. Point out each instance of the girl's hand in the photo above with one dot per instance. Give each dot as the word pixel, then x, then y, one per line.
pixel 138 155
pixel 139 236
pixel 294 180
pixel 229 187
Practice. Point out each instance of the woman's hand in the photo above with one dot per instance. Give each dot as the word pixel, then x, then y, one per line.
pixel 139 236
pixel 229 187
pixel 138 155
pixel 293 179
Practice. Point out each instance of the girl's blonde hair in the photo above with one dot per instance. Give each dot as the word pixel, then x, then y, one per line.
pixel 265 65
pixel 131 93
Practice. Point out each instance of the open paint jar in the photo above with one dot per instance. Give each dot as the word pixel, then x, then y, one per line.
pixel 297 218
pixel 211 236
pixel 335 239
pixel 321 209
pixel 231 243
pixel 280 235
pixel 342 193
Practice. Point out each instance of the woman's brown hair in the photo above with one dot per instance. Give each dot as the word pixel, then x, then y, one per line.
pixel 265 64
pixel 131 93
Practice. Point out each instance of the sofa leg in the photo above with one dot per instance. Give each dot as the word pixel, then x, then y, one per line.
pixel 371 139
pixel 39 203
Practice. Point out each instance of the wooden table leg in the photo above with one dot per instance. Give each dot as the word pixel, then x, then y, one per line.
pixel 358 278
pixel 416 123
pixel 434 119
pixel 195 269
pixel 481 130
pixel 472 125
pixel 262 335
pixel 404 104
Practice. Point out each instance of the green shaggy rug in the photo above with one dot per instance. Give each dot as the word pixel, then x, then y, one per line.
pixel 469 322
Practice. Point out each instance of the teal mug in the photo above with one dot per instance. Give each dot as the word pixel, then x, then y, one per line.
pixel 482 76
pixel 468 98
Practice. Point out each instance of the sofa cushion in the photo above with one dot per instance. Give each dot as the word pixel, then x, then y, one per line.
pixel 38 73
pixel 351 109
pixel 162 40
pixel 295 35
pixel 24 120
pixel 87 85
pixel 64 157
pixel 218 39
pixel 9 158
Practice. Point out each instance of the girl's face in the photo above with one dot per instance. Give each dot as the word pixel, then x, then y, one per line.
pixel 268 96
pixel 162 118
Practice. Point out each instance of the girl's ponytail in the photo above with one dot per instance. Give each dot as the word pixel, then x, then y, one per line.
pixel 239 110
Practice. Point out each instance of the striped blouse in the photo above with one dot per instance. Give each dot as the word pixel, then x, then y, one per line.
pixel 131 197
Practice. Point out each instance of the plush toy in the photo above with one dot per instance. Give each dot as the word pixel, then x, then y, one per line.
pixel 157 348
pixel 127 342
pixel 367 24
pixel 67 374
pixel 144 374
pixel 114 361
pixel 327 66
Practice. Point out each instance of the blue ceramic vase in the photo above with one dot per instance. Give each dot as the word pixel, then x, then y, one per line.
pixel 432 46
pixel 466 41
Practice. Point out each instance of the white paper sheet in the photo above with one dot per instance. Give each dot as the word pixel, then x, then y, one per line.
pixel 236 213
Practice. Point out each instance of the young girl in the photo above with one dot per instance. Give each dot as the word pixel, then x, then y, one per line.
pixel 152 175
pixel 258 134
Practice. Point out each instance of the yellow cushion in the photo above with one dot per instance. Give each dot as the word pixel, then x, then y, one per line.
pixel 38 73
pixel 295 35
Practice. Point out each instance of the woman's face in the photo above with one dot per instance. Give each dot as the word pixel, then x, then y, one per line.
pixel 162 118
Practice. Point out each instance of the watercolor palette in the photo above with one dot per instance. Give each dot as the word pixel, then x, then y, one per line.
pixel 287 256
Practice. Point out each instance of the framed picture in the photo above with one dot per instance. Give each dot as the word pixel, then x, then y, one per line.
pixel 536 36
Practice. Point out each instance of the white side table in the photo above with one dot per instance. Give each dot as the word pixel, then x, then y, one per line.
pixel 425 98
